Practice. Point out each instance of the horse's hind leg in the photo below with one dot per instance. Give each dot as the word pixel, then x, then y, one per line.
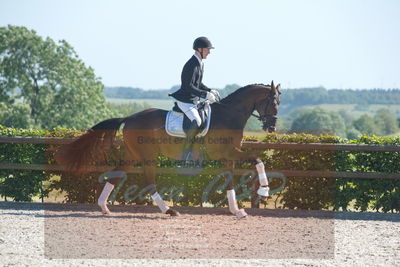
pixel 163 207
pixel 150 174
pixel 112 178
pixel 102 199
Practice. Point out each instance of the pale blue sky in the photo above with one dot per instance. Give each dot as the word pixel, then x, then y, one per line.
pixel 299 43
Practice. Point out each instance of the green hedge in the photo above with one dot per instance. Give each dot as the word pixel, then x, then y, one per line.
pixel 299 192
pixel 378 194
pixel 338 194
pixel 23 185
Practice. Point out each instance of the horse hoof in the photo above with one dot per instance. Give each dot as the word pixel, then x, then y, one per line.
pixel 104 210
pixel 172 212
pixel 241 214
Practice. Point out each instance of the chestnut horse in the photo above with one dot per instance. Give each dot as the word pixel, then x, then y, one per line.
pixel 228 120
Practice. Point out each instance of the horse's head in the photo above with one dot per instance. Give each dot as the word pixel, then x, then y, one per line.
pixel 267 107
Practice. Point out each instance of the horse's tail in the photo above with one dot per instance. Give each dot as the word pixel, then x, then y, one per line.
pixel 89 149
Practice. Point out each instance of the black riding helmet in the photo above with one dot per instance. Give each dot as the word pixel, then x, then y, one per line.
pixel 202 42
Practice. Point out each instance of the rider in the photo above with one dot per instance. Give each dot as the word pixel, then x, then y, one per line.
pixel 192 89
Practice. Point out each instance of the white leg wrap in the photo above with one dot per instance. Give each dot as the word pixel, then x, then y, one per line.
pixel 102 201
pixel 233 207
pixel 160 203
pixel 262 177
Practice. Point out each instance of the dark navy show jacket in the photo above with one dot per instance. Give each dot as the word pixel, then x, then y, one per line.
pixel 191 86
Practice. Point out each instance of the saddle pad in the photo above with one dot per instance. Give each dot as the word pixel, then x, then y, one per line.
pixel 174 124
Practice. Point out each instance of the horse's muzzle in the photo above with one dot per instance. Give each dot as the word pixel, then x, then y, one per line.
pixel 271 129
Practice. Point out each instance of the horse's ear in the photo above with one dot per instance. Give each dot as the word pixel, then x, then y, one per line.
pixel 278 88
pixel 273 88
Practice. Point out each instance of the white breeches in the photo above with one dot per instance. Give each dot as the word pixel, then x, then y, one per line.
pixel 190 111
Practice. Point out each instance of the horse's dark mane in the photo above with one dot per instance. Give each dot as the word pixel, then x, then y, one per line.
pixel 238 93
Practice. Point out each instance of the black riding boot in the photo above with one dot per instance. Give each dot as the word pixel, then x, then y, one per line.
pixel 190 138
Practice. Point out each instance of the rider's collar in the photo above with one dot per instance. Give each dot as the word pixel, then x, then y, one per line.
pixel 199 59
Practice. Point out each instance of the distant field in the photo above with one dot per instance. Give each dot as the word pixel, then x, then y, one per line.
pixel 357 110
pixel 155 103
pixel 354 109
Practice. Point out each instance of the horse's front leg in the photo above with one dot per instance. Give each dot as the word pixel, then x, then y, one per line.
pixel 231 194
pixel 263 190
pixel 233 206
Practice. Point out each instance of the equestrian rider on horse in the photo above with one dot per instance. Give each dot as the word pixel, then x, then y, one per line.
pixel 192 89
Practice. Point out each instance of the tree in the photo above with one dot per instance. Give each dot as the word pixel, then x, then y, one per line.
pixel 352 133
pixel 16 115
pixel 55 86
pixel 319 119
pixel 228 89
pixel 125 110
pixel 386 122
pixel 365 125
pixel 346 116
pixel 253 125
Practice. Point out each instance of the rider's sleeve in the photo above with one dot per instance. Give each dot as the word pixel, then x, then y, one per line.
pixel 203 87
pixel 189 78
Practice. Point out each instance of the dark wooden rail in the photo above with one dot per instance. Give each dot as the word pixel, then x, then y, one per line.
pixel 249 145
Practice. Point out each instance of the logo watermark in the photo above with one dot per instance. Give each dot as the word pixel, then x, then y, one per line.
pixel 134 192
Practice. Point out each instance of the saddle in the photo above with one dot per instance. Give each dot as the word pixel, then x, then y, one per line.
pixel 177 123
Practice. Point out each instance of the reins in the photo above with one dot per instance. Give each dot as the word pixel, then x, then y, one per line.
pixel 238 111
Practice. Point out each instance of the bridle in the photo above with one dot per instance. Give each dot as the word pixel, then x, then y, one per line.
pixel 266 119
